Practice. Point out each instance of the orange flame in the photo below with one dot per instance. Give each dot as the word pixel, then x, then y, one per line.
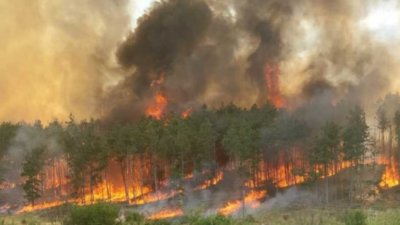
pixel 211 182
pixel 166 213
pixel 41 206
pixel 390 177
pixel 186 113
pixel 156 109
pixel 273 90
pixel 154 197
pixel 252 199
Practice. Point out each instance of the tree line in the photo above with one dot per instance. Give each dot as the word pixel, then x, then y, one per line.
pixel 173 147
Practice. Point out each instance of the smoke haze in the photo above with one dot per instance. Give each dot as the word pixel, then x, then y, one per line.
pixel 91 60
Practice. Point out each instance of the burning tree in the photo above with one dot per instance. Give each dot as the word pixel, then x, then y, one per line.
pixel 326 150
pixel 243 143
pixel 355 137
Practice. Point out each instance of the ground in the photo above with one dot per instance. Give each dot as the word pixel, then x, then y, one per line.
pixel 294 206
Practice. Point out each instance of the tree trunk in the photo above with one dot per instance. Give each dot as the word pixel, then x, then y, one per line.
pixel 326 184
pixel 351 182
pixel 122 164
pixel 132 176
pixel 390 141
pixel 91 183
pixel 155 179
pixel 60 177
pixel 107 185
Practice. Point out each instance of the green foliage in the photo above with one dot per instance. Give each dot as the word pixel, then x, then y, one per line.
pixel 174 145
pixel 355 135
pixel 32 166
pixel 397 125
pixel 86 153
pixel 355 218
pixel 98 214
pixel 242 142
pixel 326 144
pixel 135 218
pixel 383 122
pixel 211 220
pixel 7 133
pixel 158 222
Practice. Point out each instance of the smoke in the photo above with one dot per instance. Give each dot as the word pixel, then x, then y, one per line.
pixel 212 52
pixel 27 138
pixel 57 56
pixel 61 58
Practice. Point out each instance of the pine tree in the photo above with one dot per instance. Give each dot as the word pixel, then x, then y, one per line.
pixel 355 137
pixel 325 150
pixel 31 169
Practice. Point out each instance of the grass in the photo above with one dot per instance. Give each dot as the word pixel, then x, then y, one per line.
pixel 318 216
pixel 26 219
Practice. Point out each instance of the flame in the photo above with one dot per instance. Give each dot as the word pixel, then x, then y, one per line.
pixel 281 173
pixel 211 182
pixel 166 213
pixel 156 109
pixel 154 197
pixel 252 200
pixel 186 113
pixel 188 176
pixel 230 207
pixel 274 95
pixel 41 206
pixel 390 176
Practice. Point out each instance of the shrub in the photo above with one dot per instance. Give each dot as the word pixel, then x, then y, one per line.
pixel 355 218
pixel 135 218
pixel 157 222
pixel 213 220
pixel 98 214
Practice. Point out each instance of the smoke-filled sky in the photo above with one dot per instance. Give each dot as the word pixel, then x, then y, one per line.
pixel 98 58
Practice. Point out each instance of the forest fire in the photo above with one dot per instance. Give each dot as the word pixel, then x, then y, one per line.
pixel 157 108
pixel 40 206
pixel 212 181
pixel 252 200
pixel 390 176
pixel 186 113
pixel 274 95
pixel 154 197
pixel 166 213
pixel 175 106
